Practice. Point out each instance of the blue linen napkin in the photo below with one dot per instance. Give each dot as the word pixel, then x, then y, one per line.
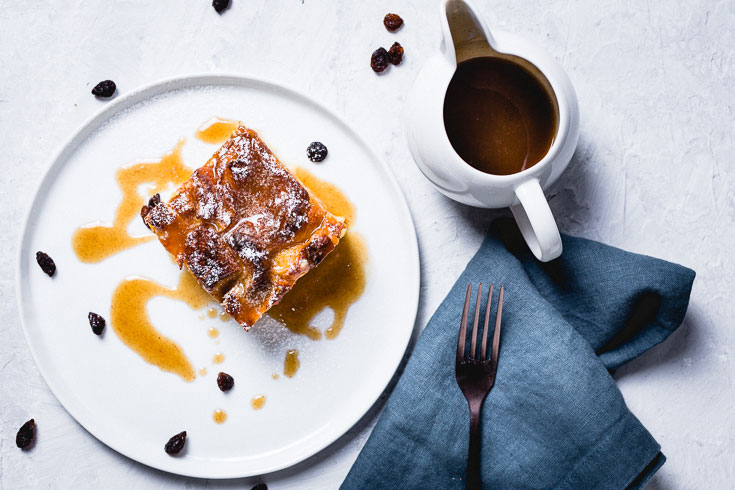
pixel 555 418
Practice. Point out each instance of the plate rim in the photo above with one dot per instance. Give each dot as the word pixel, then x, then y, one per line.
pixel 159 87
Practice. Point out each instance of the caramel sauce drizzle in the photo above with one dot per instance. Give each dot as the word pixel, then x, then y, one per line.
pixel 217 130
pixel 219 416
pixel 337 282
pixel 329 194
pixel 129 319
pixel 291 363
pixel 257 402
pixel 95 242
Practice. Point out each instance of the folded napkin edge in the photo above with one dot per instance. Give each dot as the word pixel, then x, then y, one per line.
pixel 666 321
pixel 612 465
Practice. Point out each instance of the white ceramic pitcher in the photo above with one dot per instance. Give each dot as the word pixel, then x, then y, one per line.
pixel 466 36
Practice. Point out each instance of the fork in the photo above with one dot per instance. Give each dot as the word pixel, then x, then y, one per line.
pixel 476 374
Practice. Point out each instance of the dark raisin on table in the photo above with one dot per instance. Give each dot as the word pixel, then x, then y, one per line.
pixel 106 88
pixel 176 443
pixel 379 60
pixel 225 381
pixel 96 322
pixel 26 434
pixel 317 152
pixel 260 486
pixel 395 54
pixel 47 263
pixel 392 22
pixel 220 5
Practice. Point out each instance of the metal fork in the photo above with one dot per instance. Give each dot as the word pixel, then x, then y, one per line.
pixel 476 374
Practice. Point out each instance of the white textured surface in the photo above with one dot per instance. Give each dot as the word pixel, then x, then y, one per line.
pixel 653 174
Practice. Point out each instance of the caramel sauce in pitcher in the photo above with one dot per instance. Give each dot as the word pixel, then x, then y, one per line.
pixel 500 117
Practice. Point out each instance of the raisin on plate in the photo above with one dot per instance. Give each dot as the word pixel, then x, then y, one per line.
pixel 220 5
pixel 152 203
pixel 316 152
pixel 379 60
pixel 225 381
pixel 96 322
pixel 26 434
pixel 47 263
pixel 106 88
pixel 176 443
pixel 392 22
pixel 260 486
pixel 395 54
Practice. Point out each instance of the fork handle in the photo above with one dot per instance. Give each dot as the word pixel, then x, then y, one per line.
pixel 474 476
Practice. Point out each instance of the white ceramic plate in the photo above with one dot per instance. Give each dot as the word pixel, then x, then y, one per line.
pixel 134 407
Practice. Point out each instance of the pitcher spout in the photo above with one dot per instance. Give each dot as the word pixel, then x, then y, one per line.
pixel 465 34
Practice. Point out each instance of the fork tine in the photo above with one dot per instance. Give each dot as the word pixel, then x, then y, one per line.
pixel 483 351
pixel 496 334
pixel 473 345
pixel 463 326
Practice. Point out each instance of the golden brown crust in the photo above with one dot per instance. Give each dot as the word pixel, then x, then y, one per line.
pixel 245 227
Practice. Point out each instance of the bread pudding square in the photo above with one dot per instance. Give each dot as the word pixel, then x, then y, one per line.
pixel 245 227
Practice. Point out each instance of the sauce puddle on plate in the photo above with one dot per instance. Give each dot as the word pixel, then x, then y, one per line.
pixel 337 282
pixel 95 242
pixel 129 319
pixel 216 130
pixel 291 363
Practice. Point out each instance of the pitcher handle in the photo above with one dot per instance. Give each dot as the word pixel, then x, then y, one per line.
pixel 536 222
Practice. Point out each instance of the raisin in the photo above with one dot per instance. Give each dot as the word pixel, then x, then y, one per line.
pixel 176 443
pixel 317 152
pixel 106 88
pixel 152 203
pixel 317 250
pixel 392 22
pixel 379 60
pixel 260 486
pixel 220 5
pixel 47 263
pixel 96 322
pixel 26 434
pixel 395 54
pixel 225 381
